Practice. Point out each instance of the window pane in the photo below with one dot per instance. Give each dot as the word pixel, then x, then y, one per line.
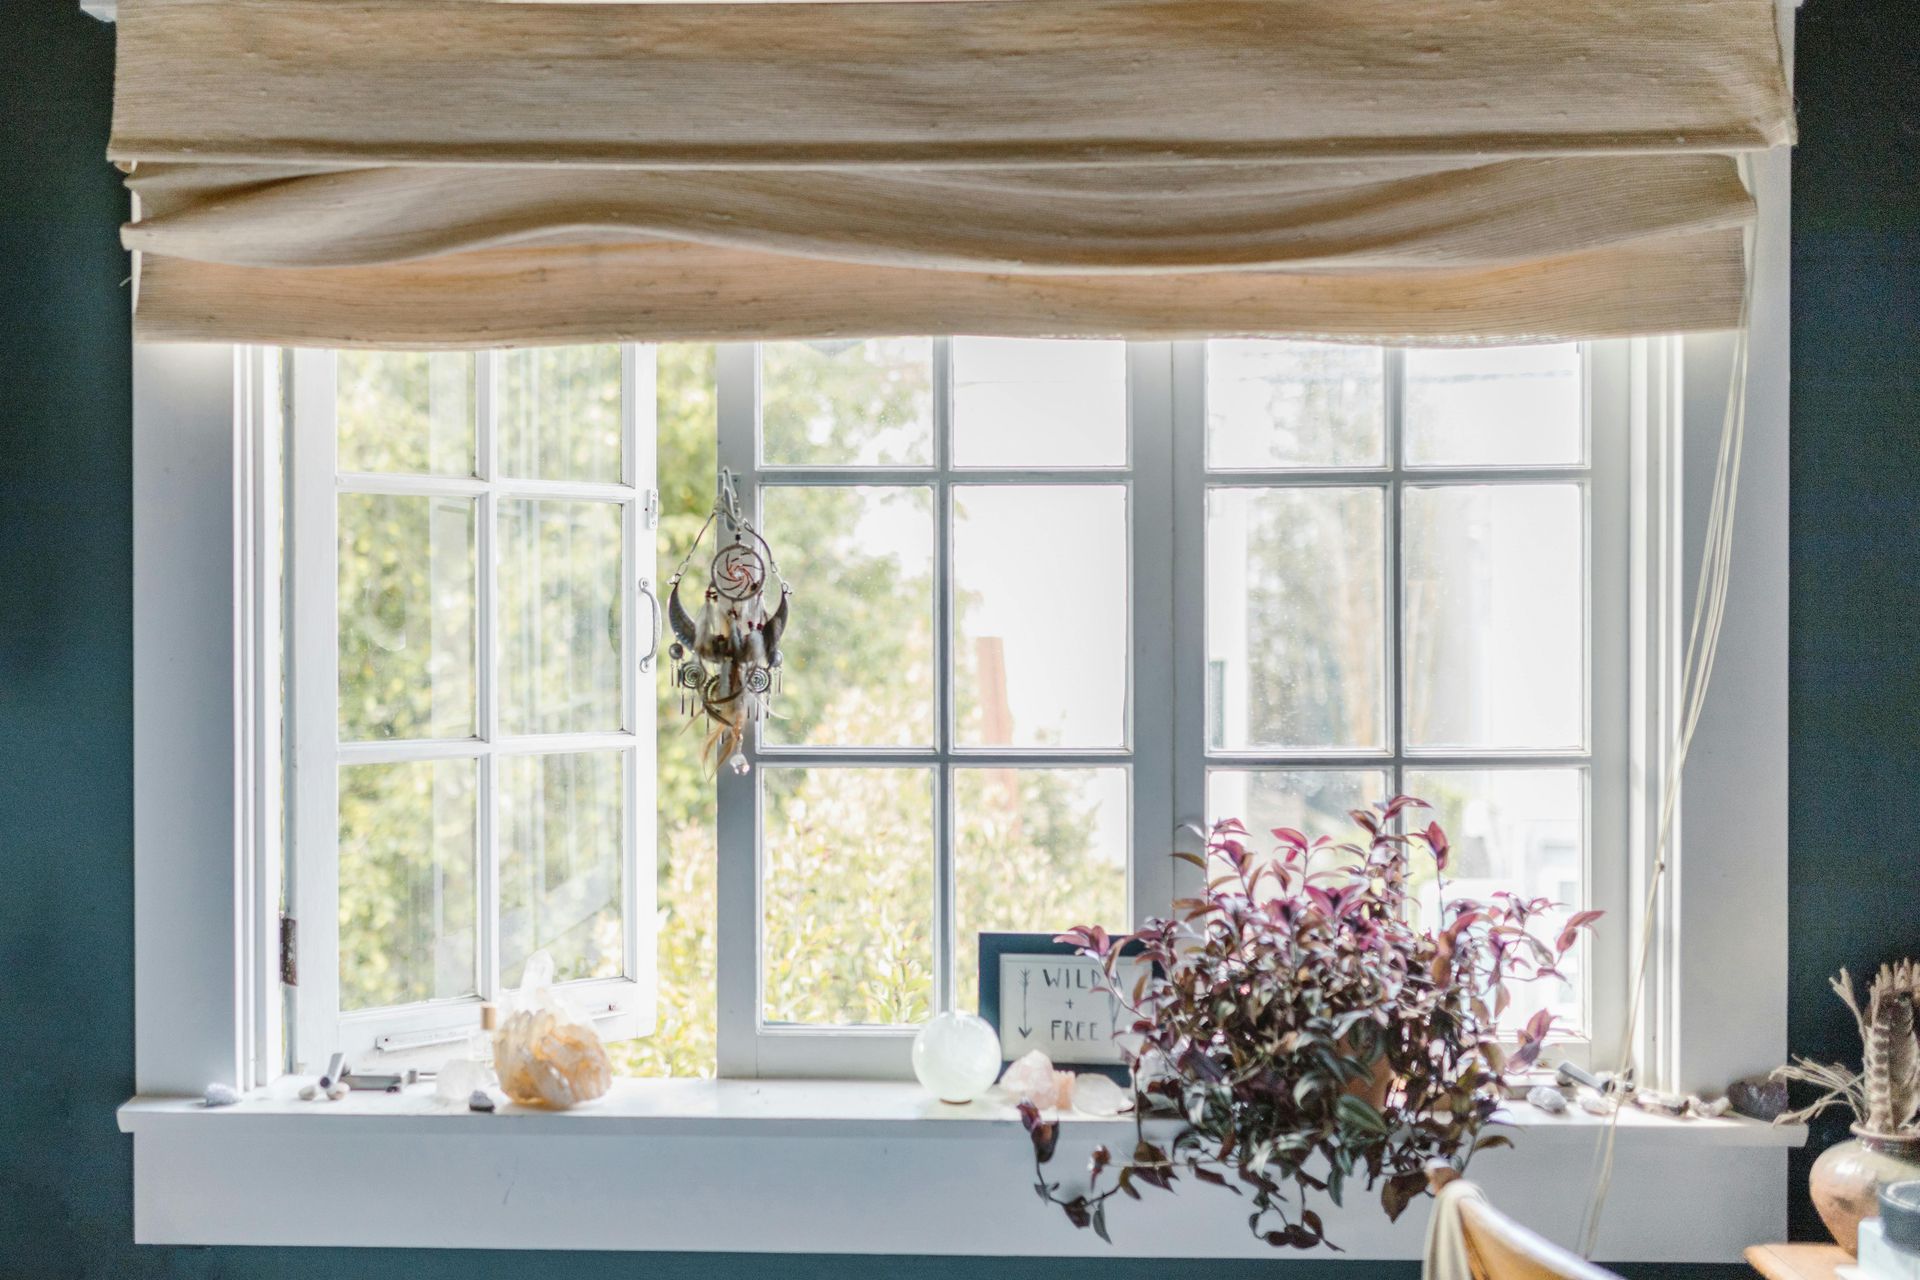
pixel 1040 615
pixel 1021 402
pixel 406 603
pixel 1039 850
pixel 407 883
pixel 1294 404
pixel 560 858
pixel 1494 406
pixel 560 413
pixel 1315 801
pixel 847 403
pixel 560 616
pixel 1296 618
pixel 847 879
pixel 681 934
pixel 1495 583
pixel 405 411
pixel 858 660
pixel 1518 830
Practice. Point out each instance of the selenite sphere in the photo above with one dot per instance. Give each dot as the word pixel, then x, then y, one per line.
pixel 957 1056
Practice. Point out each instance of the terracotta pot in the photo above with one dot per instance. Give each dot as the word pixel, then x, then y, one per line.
pixel 1374 1088
pixel 1848 1176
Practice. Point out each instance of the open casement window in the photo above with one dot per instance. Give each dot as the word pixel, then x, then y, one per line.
pixel 1412 577
pixel 471 718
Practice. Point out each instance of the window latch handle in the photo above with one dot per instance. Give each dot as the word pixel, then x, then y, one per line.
pixel 653 628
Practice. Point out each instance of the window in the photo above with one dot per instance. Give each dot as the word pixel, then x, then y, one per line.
pixel 962 519
pixel 1414 581
pixel 472 755
pixel 1052 600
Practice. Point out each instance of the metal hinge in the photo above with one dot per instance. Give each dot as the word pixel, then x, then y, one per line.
pixel 289 942
pixel 653 508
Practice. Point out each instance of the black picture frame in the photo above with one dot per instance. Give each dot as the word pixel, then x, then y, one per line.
pixel 993 946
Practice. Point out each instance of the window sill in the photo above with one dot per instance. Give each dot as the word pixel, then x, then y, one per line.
pixel 843 1167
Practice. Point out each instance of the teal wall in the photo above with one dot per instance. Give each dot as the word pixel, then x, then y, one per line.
pixel 1854 600
pixel 66 916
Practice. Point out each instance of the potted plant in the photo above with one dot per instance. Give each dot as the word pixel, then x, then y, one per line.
pixel 1300 1029
pixel 1884 1096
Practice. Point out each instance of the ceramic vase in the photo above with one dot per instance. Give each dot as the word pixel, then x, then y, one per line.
pixel 1848 1176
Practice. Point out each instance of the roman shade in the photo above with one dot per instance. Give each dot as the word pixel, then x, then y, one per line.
pixel 447 173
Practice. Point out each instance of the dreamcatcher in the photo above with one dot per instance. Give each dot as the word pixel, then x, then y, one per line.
pixel 727 665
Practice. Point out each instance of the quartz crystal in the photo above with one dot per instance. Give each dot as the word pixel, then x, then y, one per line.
pixel 1033 1079
pixel 458 1078
pixel 546 1054
pixel 544 1061
pixel 1097 1095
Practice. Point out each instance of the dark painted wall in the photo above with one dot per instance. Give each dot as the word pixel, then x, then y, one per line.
pixel 66 926
pixel 1854 740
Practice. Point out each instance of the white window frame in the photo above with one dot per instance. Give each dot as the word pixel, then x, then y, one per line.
pixel 387 1038
pixel 875 1167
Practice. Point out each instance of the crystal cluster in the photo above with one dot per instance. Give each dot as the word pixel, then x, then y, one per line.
pixel 1034 1079
pixel 545 1061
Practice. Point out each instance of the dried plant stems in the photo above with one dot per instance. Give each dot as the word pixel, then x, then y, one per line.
pixel 1884 1096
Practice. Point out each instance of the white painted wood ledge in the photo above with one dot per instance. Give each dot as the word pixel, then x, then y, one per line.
pixel 843 1167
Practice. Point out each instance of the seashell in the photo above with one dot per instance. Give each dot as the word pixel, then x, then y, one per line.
pixel 1758 1097
pixel 679 619
pixel 776 627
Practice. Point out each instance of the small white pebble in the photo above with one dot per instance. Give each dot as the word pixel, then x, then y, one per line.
pixel 308 1092
pixel 1551 1101
pixel 338 1091
pixel 221 1095
pixel 1596 1103
pixel 1699 1106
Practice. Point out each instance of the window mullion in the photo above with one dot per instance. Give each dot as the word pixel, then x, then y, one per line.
pixel 1394 382
pixel 944 949
pixel 487 826
pixel 1188 430
pixel 737 796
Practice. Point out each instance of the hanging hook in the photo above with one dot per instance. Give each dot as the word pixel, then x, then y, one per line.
pixel 729 499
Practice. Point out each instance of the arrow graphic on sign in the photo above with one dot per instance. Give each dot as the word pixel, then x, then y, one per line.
pixel 1026 976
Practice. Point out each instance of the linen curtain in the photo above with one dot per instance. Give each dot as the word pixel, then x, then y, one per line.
pixel 450 173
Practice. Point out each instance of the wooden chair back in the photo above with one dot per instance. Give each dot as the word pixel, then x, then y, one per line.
pixel 1501 1249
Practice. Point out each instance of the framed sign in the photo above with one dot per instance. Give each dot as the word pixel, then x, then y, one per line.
pixel 1041 994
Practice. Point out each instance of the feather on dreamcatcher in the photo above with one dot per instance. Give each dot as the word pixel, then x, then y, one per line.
pixel 726 663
